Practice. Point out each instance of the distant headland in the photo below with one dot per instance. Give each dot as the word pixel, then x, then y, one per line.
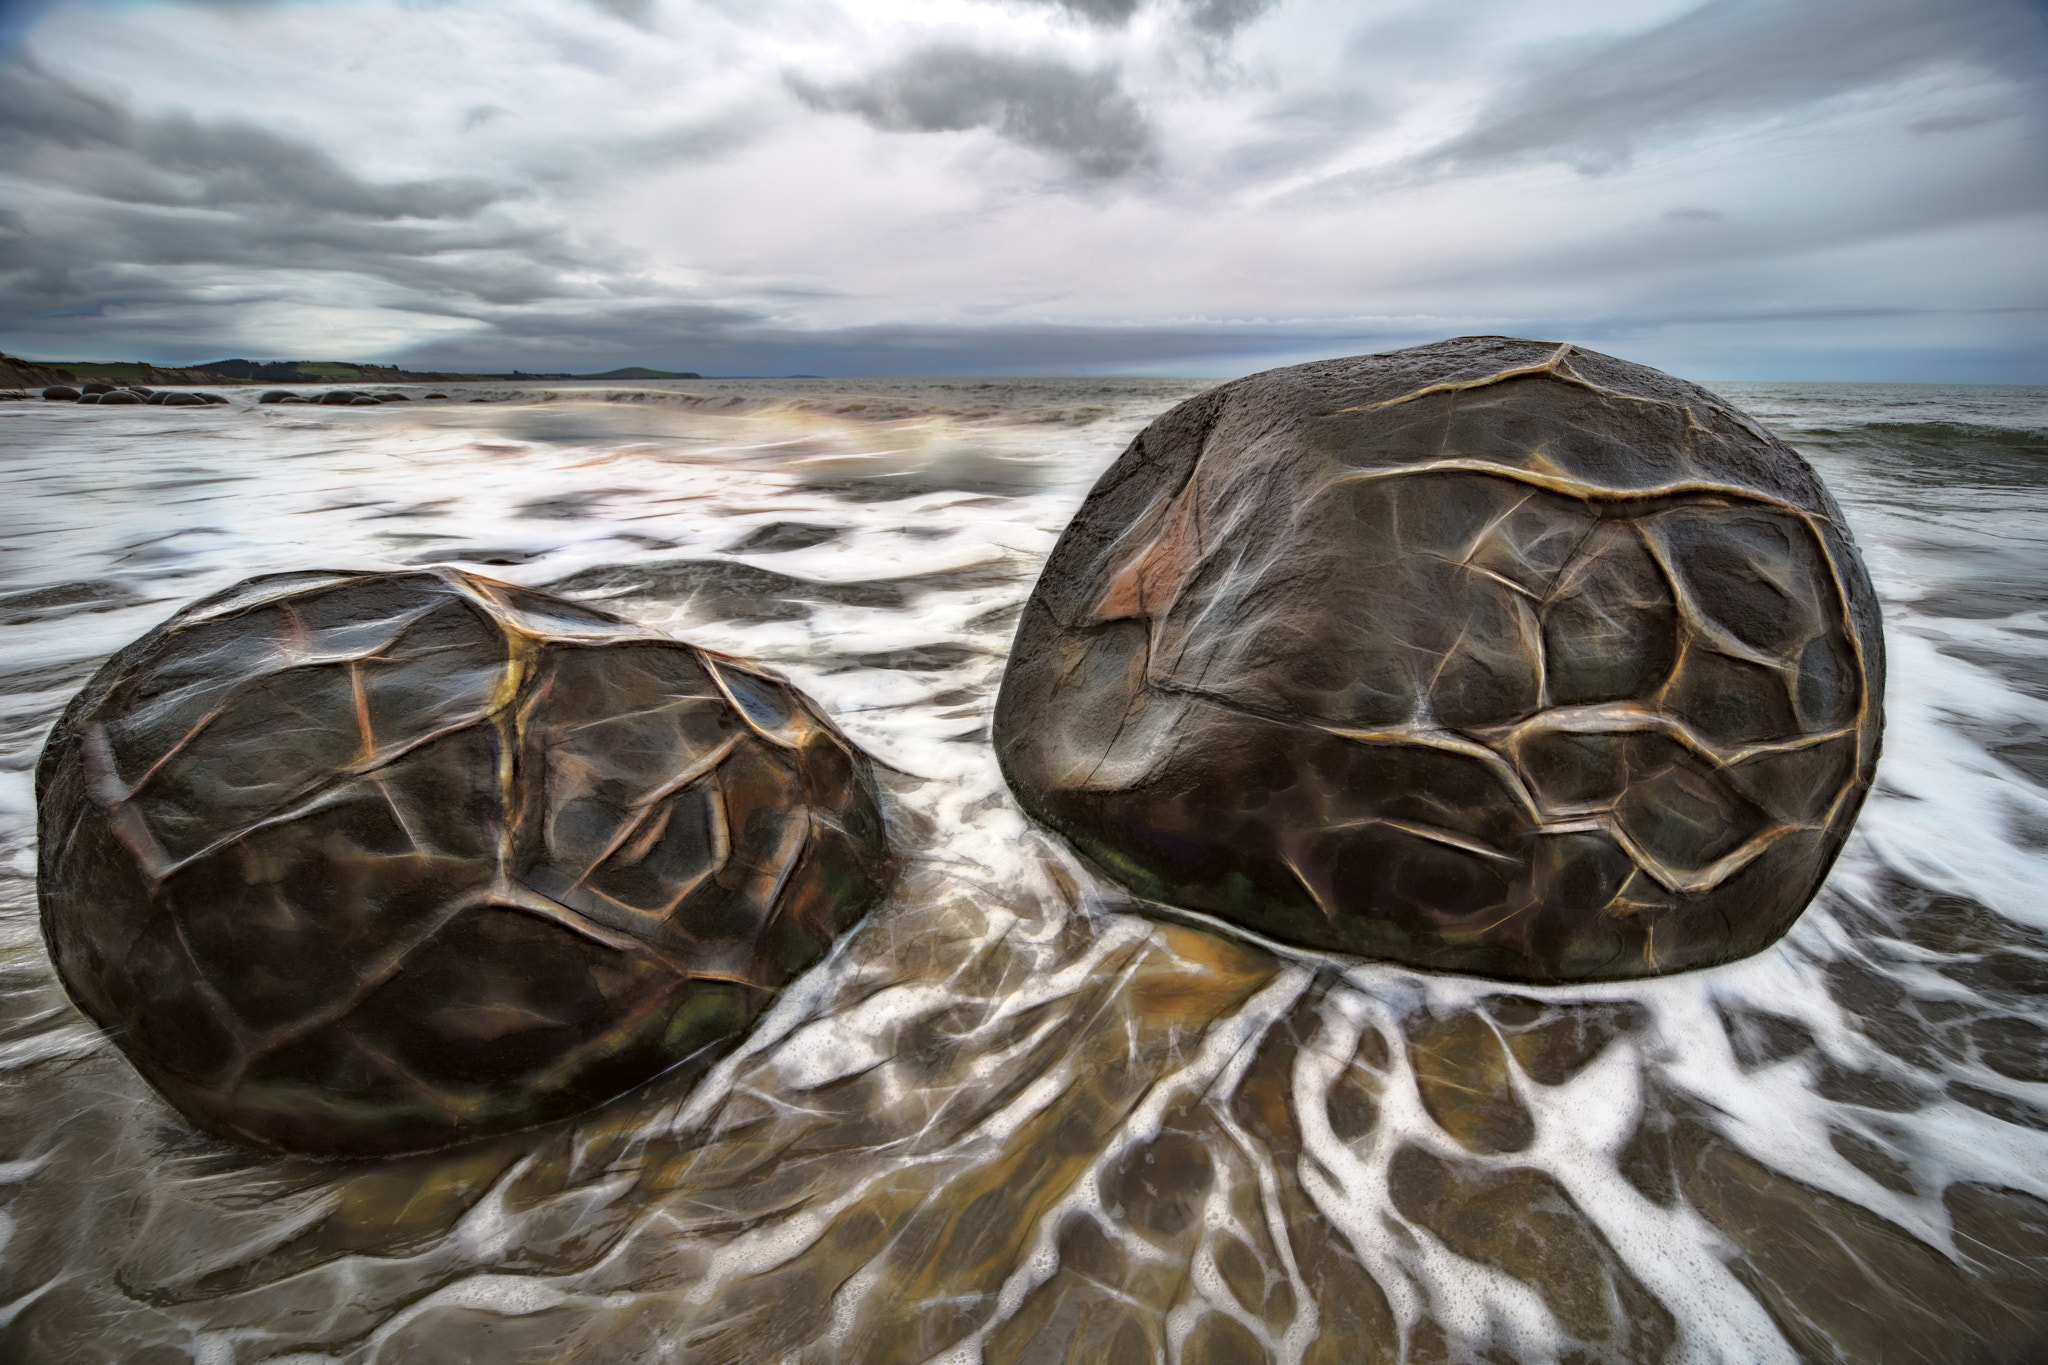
pixel 18 373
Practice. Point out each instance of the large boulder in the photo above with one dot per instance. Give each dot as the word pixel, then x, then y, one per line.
pixel 361 863
pixel 1491 656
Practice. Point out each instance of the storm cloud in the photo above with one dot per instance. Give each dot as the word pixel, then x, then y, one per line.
pixel 1593 104
pixel 1210 16
pixel 1082 117
pixel 1726 188
pixel 170 216
pixel 91 143
pixel 1097 11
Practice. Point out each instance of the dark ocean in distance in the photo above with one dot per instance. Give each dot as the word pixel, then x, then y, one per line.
pixel 1009 1119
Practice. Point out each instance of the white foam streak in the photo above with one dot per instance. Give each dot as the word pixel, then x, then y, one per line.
pixel 999 954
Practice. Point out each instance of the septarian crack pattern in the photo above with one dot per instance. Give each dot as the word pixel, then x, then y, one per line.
pixel 358 863
pixel 1516 672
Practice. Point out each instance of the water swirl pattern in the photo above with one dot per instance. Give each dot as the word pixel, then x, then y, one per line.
pixel 1008 1119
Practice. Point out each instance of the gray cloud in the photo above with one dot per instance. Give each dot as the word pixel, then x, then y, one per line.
pixel 1210 16
pixel 634 12
pixel 90 142
pixel 101 247
pixel 704 139
pixel 1225 16
pixel 103 215
pixel 1082 117
pixel 1108 12
pixel 1591 106
pixel 127 231
pixel 1638 258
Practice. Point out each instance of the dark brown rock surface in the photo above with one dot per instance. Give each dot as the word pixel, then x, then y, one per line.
pixel 361 863
pixel 1493 656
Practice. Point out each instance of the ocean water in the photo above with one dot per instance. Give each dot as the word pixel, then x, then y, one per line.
pixel 1010 1119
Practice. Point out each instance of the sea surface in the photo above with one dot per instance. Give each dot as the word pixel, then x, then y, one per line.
pixel 1010 1118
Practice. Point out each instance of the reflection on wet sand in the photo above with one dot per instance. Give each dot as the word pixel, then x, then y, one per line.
pixel 1011 1120
pixel 1053 1135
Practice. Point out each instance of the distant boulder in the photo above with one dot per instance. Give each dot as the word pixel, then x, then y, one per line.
pixel 96 386
pixel 276 396
pixel 122 397
pixel 276 371
pixel 364 400
pixel 339 398
pixel 211 398
pixel 184 400
pixel 61 393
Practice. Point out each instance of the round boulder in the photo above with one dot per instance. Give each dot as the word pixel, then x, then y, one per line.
pixel 276 395
pixel 61 393
pixel 352 864
pixel 123 396
pixel 1491 656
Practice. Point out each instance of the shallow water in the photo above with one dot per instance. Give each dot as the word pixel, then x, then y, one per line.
pixel 1010 1119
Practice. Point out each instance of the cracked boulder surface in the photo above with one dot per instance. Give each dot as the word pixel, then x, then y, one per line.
pixel 1490 656
pixel 351 864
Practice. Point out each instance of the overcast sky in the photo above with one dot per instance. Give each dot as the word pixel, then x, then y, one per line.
pixel 1734 189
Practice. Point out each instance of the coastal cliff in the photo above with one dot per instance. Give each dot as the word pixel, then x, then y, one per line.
pixel 21 374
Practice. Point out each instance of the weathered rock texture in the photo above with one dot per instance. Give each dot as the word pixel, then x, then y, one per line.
pixel 359 863
pixel 1491 656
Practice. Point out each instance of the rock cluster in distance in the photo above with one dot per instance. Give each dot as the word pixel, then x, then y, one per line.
pixel 362 863
pixel 1490 656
